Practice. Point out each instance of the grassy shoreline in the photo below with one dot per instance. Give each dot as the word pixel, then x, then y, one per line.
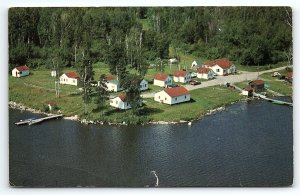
pixel 36 90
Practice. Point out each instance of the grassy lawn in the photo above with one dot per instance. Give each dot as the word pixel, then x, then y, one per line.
pixel 203 100
pixel 279 86
pixel 37 89
pixel 273 83
pixel 259 68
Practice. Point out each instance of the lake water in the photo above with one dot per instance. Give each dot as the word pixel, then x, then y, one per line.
pixel 247 144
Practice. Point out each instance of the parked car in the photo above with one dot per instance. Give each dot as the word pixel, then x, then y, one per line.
pixel 194 82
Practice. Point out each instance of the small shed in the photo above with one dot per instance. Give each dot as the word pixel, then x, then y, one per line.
pixel 257 85
pixel 20 71
pixel 53 73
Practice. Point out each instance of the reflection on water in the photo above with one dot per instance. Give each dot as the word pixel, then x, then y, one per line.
pixel 247 144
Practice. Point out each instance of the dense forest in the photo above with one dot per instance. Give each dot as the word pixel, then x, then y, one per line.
pixel 137 36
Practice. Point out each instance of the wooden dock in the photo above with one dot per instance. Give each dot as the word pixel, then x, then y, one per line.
pixel 39 120
pixel 266 98
pixel 280 102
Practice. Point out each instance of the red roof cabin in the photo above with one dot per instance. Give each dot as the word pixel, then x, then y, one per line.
pixel 205 73
pixel 162 80
pixel 173 95
pixel 182 76
pixel 257 85
pixel 221 66
pixel 70 78
pixel 20 71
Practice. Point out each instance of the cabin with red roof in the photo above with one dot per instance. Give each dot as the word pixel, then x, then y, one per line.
pixel 221 66
pixel 182 76
pixel 162 80
pixel 120 102
pixel 112 84
pixel 172 96
pixel 257 85
pixel 70 78
pixel 20 71
pixel 205 73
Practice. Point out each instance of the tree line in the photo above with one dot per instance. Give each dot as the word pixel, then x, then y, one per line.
pixel 133 37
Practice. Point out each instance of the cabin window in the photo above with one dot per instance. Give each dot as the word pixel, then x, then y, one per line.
pixel 158 97
pixel 165 98
pixel 20 72
pixel 73 80
pixel 176 99
pixel 185 97
pixel 116 101
pixel 145 85
pixel 218 70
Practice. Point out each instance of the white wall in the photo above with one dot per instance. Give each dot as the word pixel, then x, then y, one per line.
pixel 63 79
pixel 180 99
pixel 111 86
pixel 209 75
pixel 16 73
pixel 160 83
pixel 163 97
pixel 118 103
pixel 185 79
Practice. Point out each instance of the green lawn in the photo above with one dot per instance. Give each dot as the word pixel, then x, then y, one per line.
pixel 37 89
pixel 279 86
pixel 203 100
pixel 252 68
pixel 273 83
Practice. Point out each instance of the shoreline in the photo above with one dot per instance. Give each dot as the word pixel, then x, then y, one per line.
pixel 19 106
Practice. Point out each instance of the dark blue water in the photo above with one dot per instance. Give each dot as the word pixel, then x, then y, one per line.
pixel 248 144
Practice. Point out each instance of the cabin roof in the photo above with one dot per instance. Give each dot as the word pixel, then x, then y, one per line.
pixel 223 63
pixel 22 68
pixel 180 73
pixel 177 91
pixel 161 76
pixel 72 75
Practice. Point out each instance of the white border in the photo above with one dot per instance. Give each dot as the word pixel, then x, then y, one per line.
pixel 5 4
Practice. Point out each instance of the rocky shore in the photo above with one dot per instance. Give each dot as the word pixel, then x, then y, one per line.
pixel 19 106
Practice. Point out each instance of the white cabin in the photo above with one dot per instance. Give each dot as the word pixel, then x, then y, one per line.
pixel 162 80
pixel 221 67
pixel 182 76
pixel 205 73
pixel 70 78
pixel 120 102
pixel 172 96
pixel 20 71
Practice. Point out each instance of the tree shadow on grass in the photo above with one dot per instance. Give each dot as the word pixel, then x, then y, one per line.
pixel 147 111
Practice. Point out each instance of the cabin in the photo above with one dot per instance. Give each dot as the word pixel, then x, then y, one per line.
pixel 172 96
pixel 120 102
pixel 257 85
pixel 70 78
pixel 196 64
pixel 112 84
pixel 162 80
pixel 143 85
pixel 182 76
pixel 221 67
pixel 20 71
pixel 205 73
